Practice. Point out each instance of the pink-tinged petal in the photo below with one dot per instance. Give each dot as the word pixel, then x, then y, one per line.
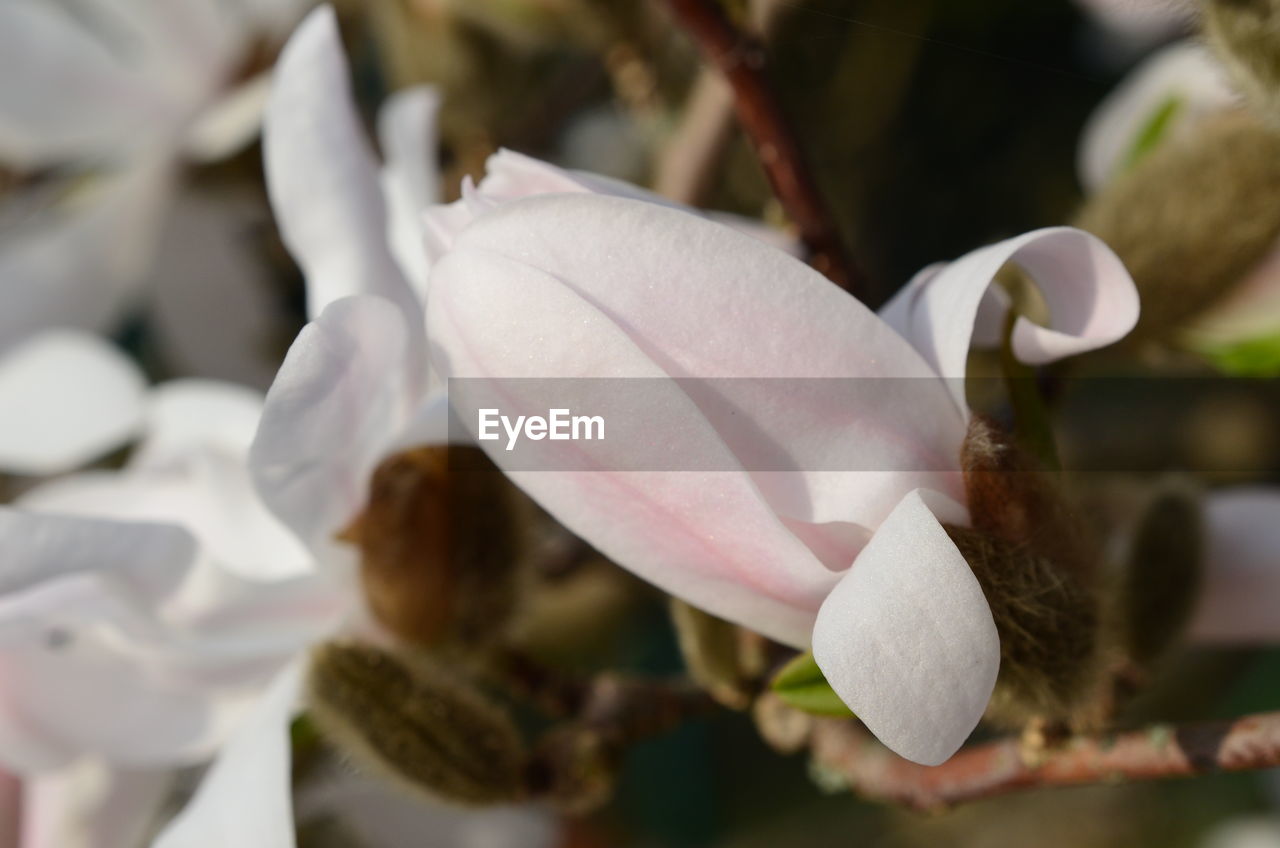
pixel 330 415
pixel 411 179
pixel 246 797
pixel 1181 84
pixel 91 805
pixel 323 180
pixel 65 398
pixel 1240 601
pixel 707 536
pixel 64 96
pixel 81 262
pixel 701 300
pixel 907 640
pixel 1091 298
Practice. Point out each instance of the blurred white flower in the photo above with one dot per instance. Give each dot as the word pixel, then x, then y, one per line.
pixel 107 100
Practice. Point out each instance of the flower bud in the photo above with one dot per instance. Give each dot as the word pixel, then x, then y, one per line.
pixel 438 548
pixel 417 724
pixel 1160 583
pixel 1245 34
pixel 1192 218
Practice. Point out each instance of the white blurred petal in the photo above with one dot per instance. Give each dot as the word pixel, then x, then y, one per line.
pixel 410 180
pixel 90 805
pixel 1240 600
pixel 906 638
pixel 246 798
pixel 187 415
pixel 231 123
pixel 331 413
pixel 65 398
pixel 1183 77
pixel 324 182
pixel 62 94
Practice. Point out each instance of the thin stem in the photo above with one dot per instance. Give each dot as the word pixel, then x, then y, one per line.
pixel 999 768
pixel 740 57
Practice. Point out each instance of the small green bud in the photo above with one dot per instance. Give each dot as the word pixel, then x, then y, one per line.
pixel 417 724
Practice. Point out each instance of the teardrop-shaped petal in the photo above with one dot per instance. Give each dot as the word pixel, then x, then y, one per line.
pixel 907 640
pixel 65 398
pixel 1091 298
pixel 804 376
pixel 64 96
pixel 246 797
pixel 1167 94
pixel 1240 600
pixel 324 181
pixel 333 410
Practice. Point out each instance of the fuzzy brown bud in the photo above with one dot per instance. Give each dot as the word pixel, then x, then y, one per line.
pixel 1245 35
pixel 438 548
pixel 417 724
pixel 1192 218
pixel 1161 580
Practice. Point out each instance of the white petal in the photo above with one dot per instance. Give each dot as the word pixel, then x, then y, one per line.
pixel 187 415
pixel 1240 601
pixel 907 640
pixel 331 413
pixel 65 398
pixel 246 797
pixel 62 95
pixel 90 805
pixel 410 180
pixel 1182 77
pixel 231 124
pixel 82 262
pixel 323 180
pixel 1091 298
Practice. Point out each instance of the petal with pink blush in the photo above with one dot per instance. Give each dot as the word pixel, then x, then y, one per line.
pixel 91 805
pixel 906 638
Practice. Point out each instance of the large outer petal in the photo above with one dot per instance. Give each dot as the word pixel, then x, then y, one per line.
pixel 62 94
pixel 323 179
pixel 246 798
pixel 1091 298
pixel 334 408
pixel 65 399
pixel 907 639
pixel 1183 74
pixel 1240 601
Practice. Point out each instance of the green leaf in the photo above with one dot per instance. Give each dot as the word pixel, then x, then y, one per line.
pixel 801 684
pixel 1256 357
pixel 1153 131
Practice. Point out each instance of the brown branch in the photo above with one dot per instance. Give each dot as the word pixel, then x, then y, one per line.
pixel 740 57
pixel 998 768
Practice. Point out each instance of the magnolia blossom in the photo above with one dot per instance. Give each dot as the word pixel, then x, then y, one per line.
pixel 107 102
pixel 545 273
pixel 1165 99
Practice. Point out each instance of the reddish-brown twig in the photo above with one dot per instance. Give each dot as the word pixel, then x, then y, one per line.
pixel 998 768
pixel 742 60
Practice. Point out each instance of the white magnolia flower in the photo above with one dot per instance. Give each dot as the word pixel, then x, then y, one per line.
pixel 110 99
